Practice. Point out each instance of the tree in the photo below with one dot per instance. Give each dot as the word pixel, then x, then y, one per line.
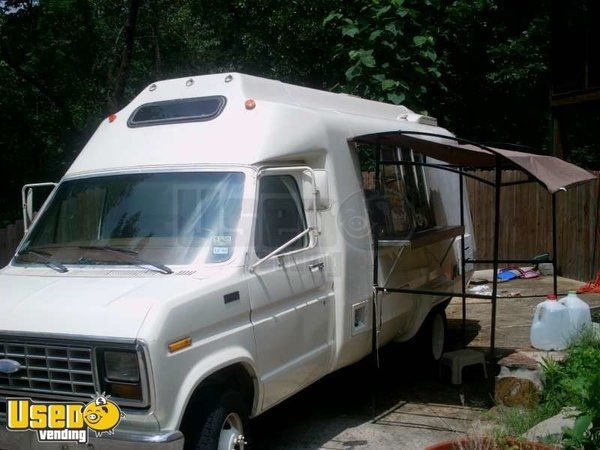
pixel 480 66
pixel 389 50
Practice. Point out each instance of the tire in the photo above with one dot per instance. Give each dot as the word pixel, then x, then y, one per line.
pixel 217 421
pixel 432 337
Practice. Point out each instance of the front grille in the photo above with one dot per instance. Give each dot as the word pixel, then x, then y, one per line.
pixel 48 369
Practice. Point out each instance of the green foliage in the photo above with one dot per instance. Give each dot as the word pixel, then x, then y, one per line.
pixel 60 64
pixel 516 421
pixel 586 431
pixel 578 436
pixel 478 65
pixel 575 381
pixel 388 48
pixel 566 381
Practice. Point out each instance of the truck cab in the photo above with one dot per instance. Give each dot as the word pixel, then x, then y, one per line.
pixel 206 256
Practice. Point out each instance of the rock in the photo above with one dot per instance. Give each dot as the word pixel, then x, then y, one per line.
pixel 527 374
pixel 553 426
pixel 513 391
pixel 541 355
pixel 596 330
pixel 518 360
pixel 518 383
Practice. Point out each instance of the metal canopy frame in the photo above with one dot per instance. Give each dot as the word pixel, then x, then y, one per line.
pixel 501 163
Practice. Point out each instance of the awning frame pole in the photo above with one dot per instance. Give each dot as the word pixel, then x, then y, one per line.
pixel 375 233
pixel 554 246
pixel 463 277
pixel 498 189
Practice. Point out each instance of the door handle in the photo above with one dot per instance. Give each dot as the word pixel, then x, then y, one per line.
pixel 316 266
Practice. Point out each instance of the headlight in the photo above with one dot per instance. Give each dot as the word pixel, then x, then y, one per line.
pixel 121 376
pixel 121 366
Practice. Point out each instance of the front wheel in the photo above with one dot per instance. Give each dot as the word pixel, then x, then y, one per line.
pixel 218 422
pixel 231 433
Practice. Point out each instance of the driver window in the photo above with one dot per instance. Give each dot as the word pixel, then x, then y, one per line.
pixel 280 215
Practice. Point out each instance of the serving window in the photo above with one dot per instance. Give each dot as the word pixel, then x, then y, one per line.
pixel 399 201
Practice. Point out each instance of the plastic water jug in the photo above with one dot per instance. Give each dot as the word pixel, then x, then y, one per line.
pixel 579 313
pixel 551 325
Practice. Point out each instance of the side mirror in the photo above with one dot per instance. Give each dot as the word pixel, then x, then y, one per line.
pixel 322 183
pixel 28 200
pixel 29 206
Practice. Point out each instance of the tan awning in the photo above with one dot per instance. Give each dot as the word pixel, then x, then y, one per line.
pixel 554 173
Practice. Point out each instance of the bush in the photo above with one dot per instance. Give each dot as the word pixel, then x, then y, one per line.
pixel 563 380
pixel 575 381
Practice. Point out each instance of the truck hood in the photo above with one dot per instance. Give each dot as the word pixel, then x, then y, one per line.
pixel 84 306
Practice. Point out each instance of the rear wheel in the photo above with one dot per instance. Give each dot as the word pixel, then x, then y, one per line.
pixel 438 335
pixel 432 337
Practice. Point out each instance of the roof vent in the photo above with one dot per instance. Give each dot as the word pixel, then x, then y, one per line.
pixel 420 118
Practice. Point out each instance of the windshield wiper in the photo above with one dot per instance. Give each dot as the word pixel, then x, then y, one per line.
pixel 44 257
pixel 132 254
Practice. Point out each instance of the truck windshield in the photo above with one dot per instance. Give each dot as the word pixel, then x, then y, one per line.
pixel 163 218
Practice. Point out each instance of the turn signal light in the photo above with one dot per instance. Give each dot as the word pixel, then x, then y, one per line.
pixel 180 344
pixel 112 118
pixel 250 104
pixel 128 391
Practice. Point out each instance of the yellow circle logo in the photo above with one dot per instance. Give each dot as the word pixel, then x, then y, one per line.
pixel 102 415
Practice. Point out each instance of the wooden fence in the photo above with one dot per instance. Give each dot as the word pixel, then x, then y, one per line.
pixel 526 223
pixel 10 237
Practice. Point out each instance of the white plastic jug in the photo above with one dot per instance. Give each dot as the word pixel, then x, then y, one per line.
pixel 579 313
pixel 551 325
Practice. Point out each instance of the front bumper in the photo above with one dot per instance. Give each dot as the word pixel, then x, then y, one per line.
pixel 121 440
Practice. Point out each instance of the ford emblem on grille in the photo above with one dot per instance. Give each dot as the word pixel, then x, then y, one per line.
pixel 9 366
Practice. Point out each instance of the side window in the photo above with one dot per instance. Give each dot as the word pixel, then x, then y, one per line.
pixel 280 215
pixel 402 205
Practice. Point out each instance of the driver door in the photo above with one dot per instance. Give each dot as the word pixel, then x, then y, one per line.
pixel 290 293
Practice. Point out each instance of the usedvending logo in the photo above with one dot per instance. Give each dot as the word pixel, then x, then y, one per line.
pixel 63 421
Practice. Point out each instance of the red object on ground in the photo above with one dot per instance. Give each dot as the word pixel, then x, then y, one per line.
pixel 592 286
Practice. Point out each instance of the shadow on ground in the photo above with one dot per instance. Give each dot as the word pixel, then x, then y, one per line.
pixel 401 405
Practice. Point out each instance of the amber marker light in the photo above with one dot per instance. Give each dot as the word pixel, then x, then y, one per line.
pixel 250 104
pixel 123 390
pixel 180 344
pixel 112 118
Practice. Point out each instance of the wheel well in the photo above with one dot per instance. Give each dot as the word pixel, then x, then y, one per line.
pixel 441 305
pixel 236 377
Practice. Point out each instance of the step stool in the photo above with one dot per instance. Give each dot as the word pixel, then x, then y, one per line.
pixel 459 359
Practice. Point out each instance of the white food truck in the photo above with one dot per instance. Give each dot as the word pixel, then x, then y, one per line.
pixel 210 253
